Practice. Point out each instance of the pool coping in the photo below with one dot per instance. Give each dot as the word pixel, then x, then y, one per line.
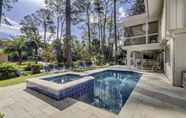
pixel 51 88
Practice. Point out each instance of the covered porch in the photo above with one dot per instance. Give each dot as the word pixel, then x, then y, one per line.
pixel 145 57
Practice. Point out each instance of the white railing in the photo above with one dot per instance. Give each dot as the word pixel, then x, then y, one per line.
pixel 141 39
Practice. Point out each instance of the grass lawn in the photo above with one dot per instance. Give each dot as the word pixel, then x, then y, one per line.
pixel 18 80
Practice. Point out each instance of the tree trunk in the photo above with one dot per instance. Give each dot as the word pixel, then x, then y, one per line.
pixel 115 31
pixel 62 24
pixel 20 57
pixel 104 28
pixel 36 55
pixel 100 31
pixel 110 28
pixel 67 42
pixel 58 27
pixel 88 26
pixel 45 31
pixel 1 10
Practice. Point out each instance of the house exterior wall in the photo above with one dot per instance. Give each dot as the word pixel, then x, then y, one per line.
pixel 180 57
pixel 175 13
pixel 173 25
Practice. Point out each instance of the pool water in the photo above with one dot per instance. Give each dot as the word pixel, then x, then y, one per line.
pixel 63 79
pixel 111 89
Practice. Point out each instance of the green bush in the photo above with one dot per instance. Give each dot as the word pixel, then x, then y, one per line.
pixel 51 65
pixel 76 64
pixel 100 61
pixel 36 68
pixel 7 71
pixel 28 67
pixel 60 65
pixel 2 115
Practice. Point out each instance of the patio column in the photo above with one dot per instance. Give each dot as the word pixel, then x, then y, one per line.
pixel 128 58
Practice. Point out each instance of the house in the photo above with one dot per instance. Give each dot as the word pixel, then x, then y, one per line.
pixel 156 39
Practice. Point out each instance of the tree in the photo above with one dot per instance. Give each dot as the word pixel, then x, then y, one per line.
pixel 84 7
pixel 44 18
pixel 57 7
pixel 67 40
pixel 47 54
pixel 137 7
pixel 99 10
pixel 17 45
pixel 1 9
pixel 5 5
pixel 115 31
pixel 106 6
pixel 57 46
pixel 30 29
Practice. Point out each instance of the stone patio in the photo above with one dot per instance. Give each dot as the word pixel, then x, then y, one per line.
pixel 154 97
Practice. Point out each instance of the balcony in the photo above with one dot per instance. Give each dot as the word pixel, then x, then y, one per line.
pixel 141 40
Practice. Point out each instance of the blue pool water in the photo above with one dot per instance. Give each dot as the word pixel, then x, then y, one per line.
pixel 111 89
pixel 63 79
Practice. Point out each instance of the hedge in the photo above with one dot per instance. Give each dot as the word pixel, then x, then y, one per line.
pixel 7 71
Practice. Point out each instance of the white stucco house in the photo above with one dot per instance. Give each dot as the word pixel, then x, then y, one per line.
pixel 156 39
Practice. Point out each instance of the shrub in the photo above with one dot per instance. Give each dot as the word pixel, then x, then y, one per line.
pixel 7 71
pixel 76 64
pixel 2 115
pixel 36 68
pixel 100 61
pixel 60 64
pixel 28 67
pixel 51 65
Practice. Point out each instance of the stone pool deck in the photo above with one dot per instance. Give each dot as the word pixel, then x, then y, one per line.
pixel 154 97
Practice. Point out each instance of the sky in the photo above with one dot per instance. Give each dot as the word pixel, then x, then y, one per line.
pixel 25 7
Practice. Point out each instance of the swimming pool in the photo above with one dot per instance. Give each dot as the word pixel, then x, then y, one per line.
pixel 106 89
pixel 111 89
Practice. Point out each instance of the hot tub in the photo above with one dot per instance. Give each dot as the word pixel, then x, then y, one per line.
pixel 61 86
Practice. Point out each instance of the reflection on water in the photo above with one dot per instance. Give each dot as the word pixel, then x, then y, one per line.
pixel 111 90
pixel 63 79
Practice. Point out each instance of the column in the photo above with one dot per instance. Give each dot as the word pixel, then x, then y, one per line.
pixel 128 58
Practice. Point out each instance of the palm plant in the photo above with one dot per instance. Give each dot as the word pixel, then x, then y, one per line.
pixel 30 29
pixel 17 45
